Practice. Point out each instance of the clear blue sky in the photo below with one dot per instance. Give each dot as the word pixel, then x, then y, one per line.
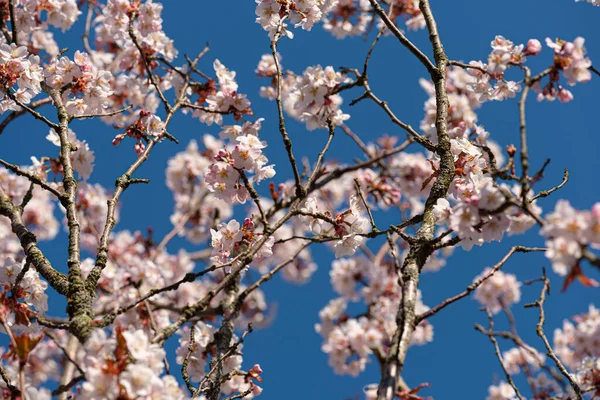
pixel 460 362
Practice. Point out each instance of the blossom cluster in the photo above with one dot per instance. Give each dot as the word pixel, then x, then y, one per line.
pixel 195 206
pixel 504 54
pixel 570 58
pixel 89 87
pixel 462 111
pixel 112 27
pixel 125 364
pixel 212 102
pixel 32 289
pixel 271 15
pixel 311 97
pixel 350 341
pixel 231 238
pixel 350 225
pixel 33 29
pixel 135 267
pixel 227 176
pixel 349 18
pixel 578 340
pixel 519 357
pixel 498 291
pixel 82 158
pixel 354 17
pixel 116 52
pixel 479 214
pixel 569 232
pixel 18 67
pixel 147 127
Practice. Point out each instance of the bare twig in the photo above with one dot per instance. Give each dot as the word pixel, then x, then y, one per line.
pixel 32 178
pixel 300 190
pixel 494 341
pixel 539 329
pixel 15 114
pixel 478 282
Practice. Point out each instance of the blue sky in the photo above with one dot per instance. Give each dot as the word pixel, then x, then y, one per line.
pixel 460 361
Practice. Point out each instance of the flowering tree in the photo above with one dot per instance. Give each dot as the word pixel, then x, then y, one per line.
pixel 447 185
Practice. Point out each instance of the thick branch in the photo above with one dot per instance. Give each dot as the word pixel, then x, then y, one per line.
pixel 57 280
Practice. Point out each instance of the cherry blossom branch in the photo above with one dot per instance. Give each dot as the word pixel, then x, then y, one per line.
pixel 467 66
pixel 539 330
pixel 420 250
pixel 121 184
pixel 370 52
pixel 192 64
pixel 240 395
pixel 86 31
pixel 147 65
pixel 189 277
pixel 31 111
pixel 184 365
pixel 219 362
pixel 546 193
pixel 300 190
pixel 238 265
pixel 35 256
pixel 403 39
pixel 15 346
pixel 255 197
pixel 321 155
pixel 14 390
pixel 31 177
pixel 67 380
pixel 163 243
pixel 338 172
pixel 79 300
pixel 202 108
pixel 515 249
pixel 266 277
pixel 362 198
pixel 106 114
pixel 223 338
pixel 356 139
pixel 523 137
pixel 384 105
pixel 490 335
pixel 522 349
pixel 13 26
pixel 65 351
pixel 15 114
pixel 64 388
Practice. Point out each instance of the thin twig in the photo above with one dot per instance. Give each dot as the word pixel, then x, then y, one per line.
pixel 539 329
pixel 300 190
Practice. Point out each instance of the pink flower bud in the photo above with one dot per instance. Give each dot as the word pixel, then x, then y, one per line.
pixel 565 95
pixel 257 369
pixel 533 47
pixel 248 226
pixel 256 390
pixel 222 155
pixel 139 148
